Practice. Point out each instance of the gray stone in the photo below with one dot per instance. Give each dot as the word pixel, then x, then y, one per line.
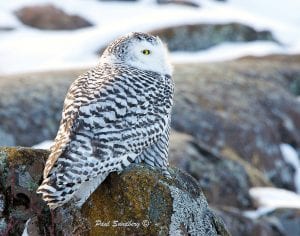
pixel 203 36
pixel 49 17
pixel 223 181
pixel 244 113
pixel 139 196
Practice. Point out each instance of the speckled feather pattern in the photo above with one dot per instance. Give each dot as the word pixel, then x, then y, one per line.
pixel 113 115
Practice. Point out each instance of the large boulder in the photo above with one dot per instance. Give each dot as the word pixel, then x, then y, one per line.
pixel 49 17
pixel 239 224
pixel 31 114
pixel 197 37
pixel 242 109
pixel 162 206
pixel 224 181
pixel 276 222
pixel 138 201
pixel 287 221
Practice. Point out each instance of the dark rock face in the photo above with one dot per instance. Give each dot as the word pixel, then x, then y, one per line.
pixel 224 181
pixel 203 36
pixel 141 200
pixel 32 114
pixel 238 224
pixel 288 222
pixel 49 17
pixel 277 223
pixel 241 109
pixel 20 174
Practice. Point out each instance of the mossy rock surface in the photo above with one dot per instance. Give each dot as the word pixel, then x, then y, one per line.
pixel 150 204
pixel 139 201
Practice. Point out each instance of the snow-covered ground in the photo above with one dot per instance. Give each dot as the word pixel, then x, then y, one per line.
pixel 28 49
pixel 268 199
pixel 43 145
pixel 275 197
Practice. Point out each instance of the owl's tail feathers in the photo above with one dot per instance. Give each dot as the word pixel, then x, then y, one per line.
pixel 54 195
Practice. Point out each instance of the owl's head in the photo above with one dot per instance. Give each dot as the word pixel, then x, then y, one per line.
pixel 139 50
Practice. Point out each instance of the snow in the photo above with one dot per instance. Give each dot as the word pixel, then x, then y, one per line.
pixel 268 199
pixel 290 155
pixel 228 51
pixel 259 212
pixel 273 9
pixel 28 49
pixel 25 231
pixel 43 145
pixel 274 197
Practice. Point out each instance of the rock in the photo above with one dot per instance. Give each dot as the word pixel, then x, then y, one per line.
pixel 32 114
pixel 6 139
pixel 6 28
pixel 179 2
pixel 241 112
pixel 20 174
pixel 140 199
pixel 203 36
pixel 287 221
pixel 238 224
pixel 223 181
pixel 49 17
pixel 162 206
pixel 279 222
pixel 288 78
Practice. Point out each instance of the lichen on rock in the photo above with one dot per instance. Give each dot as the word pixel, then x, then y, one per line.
pixel 139 201
pixel 150 203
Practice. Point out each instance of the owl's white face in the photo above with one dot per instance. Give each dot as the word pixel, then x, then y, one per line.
pixel 147 56
pixel 139 50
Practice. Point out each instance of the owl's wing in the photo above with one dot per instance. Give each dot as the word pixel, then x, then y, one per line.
pixel 115 112
pixel 157 153
pixel 77 96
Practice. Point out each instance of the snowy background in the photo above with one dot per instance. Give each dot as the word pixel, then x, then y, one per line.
pixel 27 49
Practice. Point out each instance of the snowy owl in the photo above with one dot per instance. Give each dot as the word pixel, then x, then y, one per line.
pixel 115 114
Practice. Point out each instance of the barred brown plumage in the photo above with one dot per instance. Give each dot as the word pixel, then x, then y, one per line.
pixel 115 114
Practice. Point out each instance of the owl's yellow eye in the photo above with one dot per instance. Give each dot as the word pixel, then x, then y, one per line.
pixel 146 52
